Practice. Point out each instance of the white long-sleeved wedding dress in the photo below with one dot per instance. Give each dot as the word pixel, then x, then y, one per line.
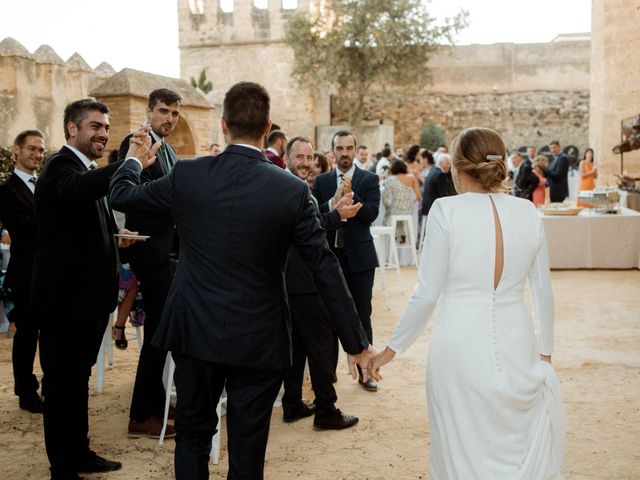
pixel 495 409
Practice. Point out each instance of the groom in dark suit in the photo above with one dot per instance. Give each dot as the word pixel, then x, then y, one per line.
pixel 75 285
pixel 352 243
pixel 557 174
pixel 226 317
pixel 18 215
pixel 153 263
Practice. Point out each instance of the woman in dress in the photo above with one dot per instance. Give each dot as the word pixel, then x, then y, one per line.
pixel 495 410
pixel 540 163
pixel 588 174
pixel 400 196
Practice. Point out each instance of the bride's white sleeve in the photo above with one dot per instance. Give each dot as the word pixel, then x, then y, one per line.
pixel 542 295
pixel 432 274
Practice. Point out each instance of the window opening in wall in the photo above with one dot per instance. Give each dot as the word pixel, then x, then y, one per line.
pixel 226 6
pixel 261 4
pixel 289 4
pixel 196 7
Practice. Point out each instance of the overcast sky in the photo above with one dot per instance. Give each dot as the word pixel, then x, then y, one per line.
pixel 143 34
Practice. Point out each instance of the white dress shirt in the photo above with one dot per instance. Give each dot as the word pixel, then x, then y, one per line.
pixel 26 178
pixel 87 163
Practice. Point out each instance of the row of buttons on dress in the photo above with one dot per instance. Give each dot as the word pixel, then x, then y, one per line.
pixel 493 331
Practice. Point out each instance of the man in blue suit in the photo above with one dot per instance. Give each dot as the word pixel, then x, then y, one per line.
pixel 352 243
pixel 557 173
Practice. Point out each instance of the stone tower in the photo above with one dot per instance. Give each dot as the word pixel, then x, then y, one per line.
pixel 244 40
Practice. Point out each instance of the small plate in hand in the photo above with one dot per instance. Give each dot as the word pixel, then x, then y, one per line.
pixel 130 236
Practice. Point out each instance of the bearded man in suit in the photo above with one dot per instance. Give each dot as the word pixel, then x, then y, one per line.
pixel 153 263
pixel 76 252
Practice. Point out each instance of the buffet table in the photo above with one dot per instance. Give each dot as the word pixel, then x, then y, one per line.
pixel 593 240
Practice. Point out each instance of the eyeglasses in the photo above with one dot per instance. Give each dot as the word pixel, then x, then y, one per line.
pixel 33 149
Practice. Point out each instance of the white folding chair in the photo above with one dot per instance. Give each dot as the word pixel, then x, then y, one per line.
pixel 410 241
pixel 390 259
pixel 379 246
pixel 105 352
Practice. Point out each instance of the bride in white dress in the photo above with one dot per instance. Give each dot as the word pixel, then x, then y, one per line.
pixel 495 410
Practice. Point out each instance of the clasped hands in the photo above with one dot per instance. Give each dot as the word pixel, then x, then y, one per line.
pixel 140 146
pixel 370 363
pixel 342 200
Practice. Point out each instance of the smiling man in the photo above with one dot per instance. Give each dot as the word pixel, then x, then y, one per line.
pixel 18 216
pixel 75 284
pixel 153 263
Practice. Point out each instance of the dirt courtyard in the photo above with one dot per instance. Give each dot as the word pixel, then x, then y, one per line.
pixel 597 357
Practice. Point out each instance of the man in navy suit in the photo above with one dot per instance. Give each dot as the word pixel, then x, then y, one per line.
pixel 557 173
pixel 76 251
pixel 153 263
pixel 18 216
pixel 226 319
pixel 352 243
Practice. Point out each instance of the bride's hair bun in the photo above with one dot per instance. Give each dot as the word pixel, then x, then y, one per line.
pixel 481 154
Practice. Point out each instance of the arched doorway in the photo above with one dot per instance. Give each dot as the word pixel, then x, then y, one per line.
pixel 182 139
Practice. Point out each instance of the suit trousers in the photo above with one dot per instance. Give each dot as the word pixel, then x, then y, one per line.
pixel 68 349
pixel 250 396
pixel 25 343
pixel 148 391
pixel 312 337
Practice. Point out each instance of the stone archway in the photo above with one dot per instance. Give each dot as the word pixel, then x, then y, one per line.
pixel 182 139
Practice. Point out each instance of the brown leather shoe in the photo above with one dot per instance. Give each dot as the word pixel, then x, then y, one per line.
pixel 150 428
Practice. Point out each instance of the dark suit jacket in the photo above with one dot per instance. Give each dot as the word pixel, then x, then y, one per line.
pixel 275 159
pixel 237 215
pixel 159 225
pixel 297 274
pixel 557 178
pixel 437 185
pixel 358 242
pixel 18 216
pixel 526 181
pixel 75 263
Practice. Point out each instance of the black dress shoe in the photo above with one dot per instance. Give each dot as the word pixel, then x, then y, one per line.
pixel 301 410
pixel 370 385
pixel 31 403
pixel 94 463
pixel 336 421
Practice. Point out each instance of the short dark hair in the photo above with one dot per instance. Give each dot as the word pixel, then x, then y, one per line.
pixel 386 152
pixel 294 140
pixel 22 136
pixel 77 111
pixel 164 95
pixel 428 156
pixel 411 153
pixel 274 136
pixel 113 156
pixel 322 160
pixel 343 133
pixel 361 147
pixel 516 153
pixel 554 142
pixel 245 110
pixel 398 166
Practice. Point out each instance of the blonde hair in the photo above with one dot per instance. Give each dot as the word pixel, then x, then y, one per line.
pixel 481 154
pixel 540 160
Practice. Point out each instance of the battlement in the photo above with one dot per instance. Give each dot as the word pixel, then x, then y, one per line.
pixel 211 23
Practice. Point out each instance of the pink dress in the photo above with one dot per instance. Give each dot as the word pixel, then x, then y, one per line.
pixel 538 193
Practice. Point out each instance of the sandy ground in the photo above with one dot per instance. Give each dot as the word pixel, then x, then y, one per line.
pixel 597 359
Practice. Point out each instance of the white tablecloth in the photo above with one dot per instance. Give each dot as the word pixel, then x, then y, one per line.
pixel 592 240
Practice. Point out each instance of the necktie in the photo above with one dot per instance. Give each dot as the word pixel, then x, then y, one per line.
pixel 106 219
pixel 33 180
pixel 167 158
pixel 340 232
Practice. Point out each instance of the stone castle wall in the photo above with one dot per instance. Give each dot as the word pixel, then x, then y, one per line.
pixel 522 82
pixel 615 81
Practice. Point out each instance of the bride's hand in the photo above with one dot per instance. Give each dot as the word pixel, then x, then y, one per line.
pixel 378 361
pixel 545 358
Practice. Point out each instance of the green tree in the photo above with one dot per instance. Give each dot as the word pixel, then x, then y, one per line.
pixel 432 136
pixel 202 83
pixel 357 45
